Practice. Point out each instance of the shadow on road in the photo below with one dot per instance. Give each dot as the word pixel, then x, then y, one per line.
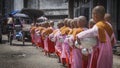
pixel 17 44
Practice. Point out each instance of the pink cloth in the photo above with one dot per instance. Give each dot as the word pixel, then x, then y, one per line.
pixel 63 55
pixel 46 44
pixel 76 58
pixel 105 58
pixel 66 50
pixel 58 45
pixel 32 36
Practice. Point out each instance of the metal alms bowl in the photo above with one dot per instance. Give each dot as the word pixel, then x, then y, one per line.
pixel 88 42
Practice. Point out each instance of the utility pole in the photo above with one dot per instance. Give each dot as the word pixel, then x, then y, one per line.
pixel 71 9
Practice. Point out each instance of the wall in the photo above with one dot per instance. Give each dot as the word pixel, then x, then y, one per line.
pixel 18 4
pixel 54 7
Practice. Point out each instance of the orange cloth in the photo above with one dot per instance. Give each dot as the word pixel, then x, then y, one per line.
pixel 33 29
pixel 71 31
pixel 76 31
pixel 40 29
pixel 62 28
pixel 102 27
pixel 65 31
pixel 47 31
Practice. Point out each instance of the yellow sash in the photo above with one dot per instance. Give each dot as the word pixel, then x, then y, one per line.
pixel 65 31
pixel 102 27
pixel 62 28
pixel 76 31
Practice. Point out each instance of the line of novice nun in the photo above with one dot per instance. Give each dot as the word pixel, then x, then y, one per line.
pixel 75 44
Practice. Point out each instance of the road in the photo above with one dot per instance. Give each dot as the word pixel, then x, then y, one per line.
pixel 19 56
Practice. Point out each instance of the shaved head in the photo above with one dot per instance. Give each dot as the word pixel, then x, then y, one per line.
pixel 100 10
pixel 68 22
pixel 51 23
pixel 72 23
pixel 98 13
pixel 65 21
pixel 60 24
pixel 46 24
pixel 81 21
pixel 91 23
pixel 107 17
pixel 75 22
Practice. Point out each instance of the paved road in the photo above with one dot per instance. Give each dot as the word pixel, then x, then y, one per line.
pixel 18 56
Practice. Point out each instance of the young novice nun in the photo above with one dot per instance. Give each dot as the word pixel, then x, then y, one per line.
pixel 51 23
pixel 76 56
pixel 101 56
pixel 45 35
pixel 41 29
pixel 66 43
pixel 64 33
pixel 37 35
pixel 91 23
pixel 54 36
pixel 107 17
pixel 32 31
pixel 40 41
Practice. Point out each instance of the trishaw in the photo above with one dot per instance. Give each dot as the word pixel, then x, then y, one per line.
pixel 15 32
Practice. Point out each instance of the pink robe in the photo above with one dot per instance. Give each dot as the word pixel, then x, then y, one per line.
pixel 76 56
pixel 101 56
pixel 63 53
pixel 33 37
pixel 46 44
pixel 58 45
